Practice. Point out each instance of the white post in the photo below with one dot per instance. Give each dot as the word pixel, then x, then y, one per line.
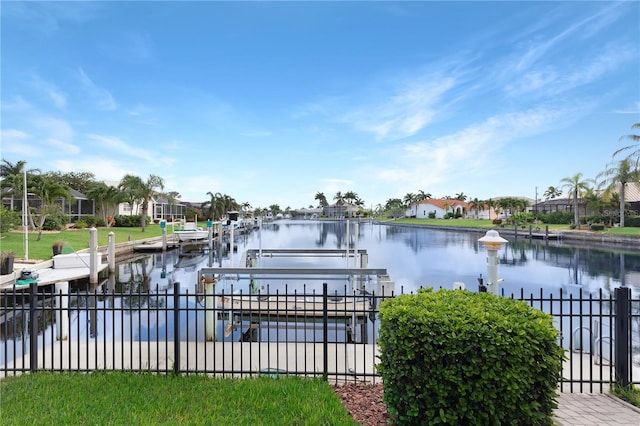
pixel 260 241
pixel 163 225
pixel 62 313
pixel 211 322
pixel 111 252
pixel 492 241
pixel 210 235
pixel 492 271
pixel 93 256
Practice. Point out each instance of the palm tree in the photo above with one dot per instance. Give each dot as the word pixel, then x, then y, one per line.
pixel 576 187
pixel 107 198
pixel 552 192
pixel 130 186
pixel 350 197
pixel 446 207
pixel 477 205
pixel 409 199
pixel 149 189
pixel 172 199
pixel 143 191
pixel 594 201
pixel 49 192
pixel 461 197
pixel 423 195
pixel 339 197
pixel 216 209
pixel 322 199
pixel 12 176
pixel 633 150
pixel 619 174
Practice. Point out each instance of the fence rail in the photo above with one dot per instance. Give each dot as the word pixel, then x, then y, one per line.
pixel 313 334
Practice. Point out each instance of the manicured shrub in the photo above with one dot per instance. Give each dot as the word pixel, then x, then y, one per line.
pixel 633 221
pixel 128 221
pixel 497 221
pixel 457 357
pixel 55 222
pixel 597 227
pixel 557 218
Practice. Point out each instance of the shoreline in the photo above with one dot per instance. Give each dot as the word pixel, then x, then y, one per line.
pixel 628 242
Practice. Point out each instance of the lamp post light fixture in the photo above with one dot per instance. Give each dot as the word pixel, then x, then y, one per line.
pixel 492 241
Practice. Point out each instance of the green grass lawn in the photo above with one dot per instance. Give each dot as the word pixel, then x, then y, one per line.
pixel 74 239
pixel 125 398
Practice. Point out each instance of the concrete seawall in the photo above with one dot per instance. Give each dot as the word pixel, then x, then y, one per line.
pixel 627 242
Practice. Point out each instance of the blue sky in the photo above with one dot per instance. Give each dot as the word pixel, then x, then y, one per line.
pixel 271 102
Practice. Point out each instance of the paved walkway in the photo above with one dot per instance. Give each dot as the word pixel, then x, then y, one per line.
pixel 595 409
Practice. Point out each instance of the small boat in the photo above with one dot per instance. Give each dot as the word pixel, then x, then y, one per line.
pixel 191 232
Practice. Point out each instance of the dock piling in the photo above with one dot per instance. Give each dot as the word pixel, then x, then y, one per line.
pixel 210 314
pixel 93 256
pixel 111 252
pixel 62 311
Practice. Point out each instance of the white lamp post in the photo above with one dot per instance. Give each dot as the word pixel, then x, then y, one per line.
pixel 492 241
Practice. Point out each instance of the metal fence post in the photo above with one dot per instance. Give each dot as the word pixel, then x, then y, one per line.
pixel 33 327
pixel 325 331
pixel 622 336
pixel 176 328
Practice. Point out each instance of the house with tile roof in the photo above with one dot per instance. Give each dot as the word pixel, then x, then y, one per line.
pixel 439 208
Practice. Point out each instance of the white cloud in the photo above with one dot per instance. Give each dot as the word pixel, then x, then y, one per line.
pixel 55 95
pixel 405 112
pixel 102 97
pixel 14 141
pixel 117 145
pixel 466 153
pixel 108 170
pixel 17 103
pixel 54 128
pixel 631 109
pixel 62 147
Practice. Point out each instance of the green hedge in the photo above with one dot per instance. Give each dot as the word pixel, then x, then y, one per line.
pixel 128 221
pixel 557 218
pixel 633 221
pixel 457 357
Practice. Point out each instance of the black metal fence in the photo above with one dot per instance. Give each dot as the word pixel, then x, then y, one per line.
pixel 314 334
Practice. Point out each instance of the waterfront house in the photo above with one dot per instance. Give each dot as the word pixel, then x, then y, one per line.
pixel 437 209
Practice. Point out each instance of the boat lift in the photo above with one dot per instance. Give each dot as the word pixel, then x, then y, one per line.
pixel 256 309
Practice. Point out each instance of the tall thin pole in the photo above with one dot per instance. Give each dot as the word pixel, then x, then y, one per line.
pixel 24 214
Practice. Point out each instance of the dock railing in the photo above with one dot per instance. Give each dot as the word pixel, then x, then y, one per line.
pixel 311 333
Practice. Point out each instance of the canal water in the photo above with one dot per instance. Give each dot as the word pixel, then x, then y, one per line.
pixel 414 257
